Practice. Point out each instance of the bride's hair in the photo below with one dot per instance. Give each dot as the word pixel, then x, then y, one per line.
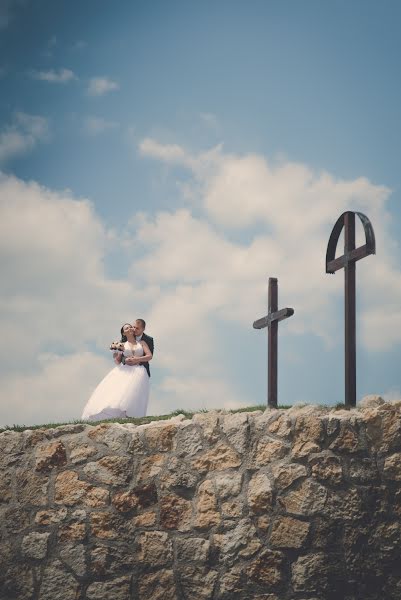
pixel 124 337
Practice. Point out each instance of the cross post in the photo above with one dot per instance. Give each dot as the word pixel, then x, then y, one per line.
pixel 271 322
pixel 347 262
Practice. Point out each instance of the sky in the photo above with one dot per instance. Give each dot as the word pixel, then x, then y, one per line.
pixel 162 160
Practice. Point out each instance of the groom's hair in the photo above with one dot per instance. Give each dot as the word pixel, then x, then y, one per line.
pixel 142 322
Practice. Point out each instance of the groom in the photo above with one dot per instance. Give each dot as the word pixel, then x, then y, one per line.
pixel 139 330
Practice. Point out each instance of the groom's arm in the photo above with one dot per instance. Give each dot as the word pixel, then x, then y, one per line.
pixel 140 360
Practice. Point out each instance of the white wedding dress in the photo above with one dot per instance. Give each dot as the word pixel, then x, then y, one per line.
pixel 124 392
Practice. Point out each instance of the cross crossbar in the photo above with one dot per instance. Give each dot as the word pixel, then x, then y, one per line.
pixel 280 315
pixel 352 254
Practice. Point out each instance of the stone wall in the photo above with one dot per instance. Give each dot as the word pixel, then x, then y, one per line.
pixel 286 504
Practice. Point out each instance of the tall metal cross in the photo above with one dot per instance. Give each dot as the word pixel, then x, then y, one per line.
pixel 347 262
pixel 271 322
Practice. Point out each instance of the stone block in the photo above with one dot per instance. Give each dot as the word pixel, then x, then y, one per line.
pixel 288 533
pixel 260 493
pixel 219 458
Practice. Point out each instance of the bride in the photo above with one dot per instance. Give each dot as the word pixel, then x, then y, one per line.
pixel 124 392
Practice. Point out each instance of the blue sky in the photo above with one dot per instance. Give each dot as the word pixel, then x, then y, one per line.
pixel 163 160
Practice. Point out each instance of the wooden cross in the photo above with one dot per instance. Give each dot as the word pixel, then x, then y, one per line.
pixel 271 322
pixel 347 262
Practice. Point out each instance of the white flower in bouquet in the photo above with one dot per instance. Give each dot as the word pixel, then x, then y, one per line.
pixel 117 347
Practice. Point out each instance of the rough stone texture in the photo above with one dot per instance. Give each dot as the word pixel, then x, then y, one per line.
pixel 240 541
pixel 57 583
pixel 392 467
pixel 113 470
pixel 31 489
pixel 17 582
pixel 74 556
pixel 307 499
pixel 371 401
pixel 118 589
pixel 197 582
pixel 72 531
pixel 158 586
pixel 189 441
pixel 34 545
pixel 175 513
pixel 285 474
pixel 160 437
pixel 125 501
pixel 80 454
pixel 326 468
pixel 151 467
pixel 140 497
pixel 281 427
pixel 309 432
pixel 102 525
pixel 298 504
pixel 155 548
pixel 267 569
pixel 289 533
pixel 308 573
pixel 228 484
pixel 45 517
pixel 260 493
pixel 206 509
pixel 69 491
pixel 192 549
pixel 50 456
pixel 178 475
pixel 146 519
pixel 269 450
pixel 218 458
pixel 347 440
pixel 236 428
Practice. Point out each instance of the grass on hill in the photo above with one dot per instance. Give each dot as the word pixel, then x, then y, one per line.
pixel 136 421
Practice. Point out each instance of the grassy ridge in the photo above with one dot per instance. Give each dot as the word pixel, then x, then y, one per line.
pixel 136 421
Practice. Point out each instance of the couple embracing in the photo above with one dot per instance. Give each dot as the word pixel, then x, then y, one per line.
pixel 124 392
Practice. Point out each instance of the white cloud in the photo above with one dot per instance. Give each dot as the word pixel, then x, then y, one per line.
pixel 96 125
pixel 291 210
pixel 173 154
pixel 56 271
pixel 56 391
pixel 169 153
pixel 53 76
pixel 98 86
pixel 22 135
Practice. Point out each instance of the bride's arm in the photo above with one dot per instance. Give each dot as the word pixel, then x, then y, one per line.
pixel 117 358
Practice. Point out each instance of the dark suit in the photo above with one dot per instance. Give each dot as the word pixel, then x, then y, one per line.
pixel 149 341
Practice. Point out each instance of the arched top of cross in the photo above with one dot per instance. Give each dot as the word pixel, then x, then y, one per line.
pixel 351 254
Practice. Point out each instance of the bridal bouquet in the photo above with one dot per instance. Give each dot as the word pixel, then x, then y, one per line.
pixel 117 347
